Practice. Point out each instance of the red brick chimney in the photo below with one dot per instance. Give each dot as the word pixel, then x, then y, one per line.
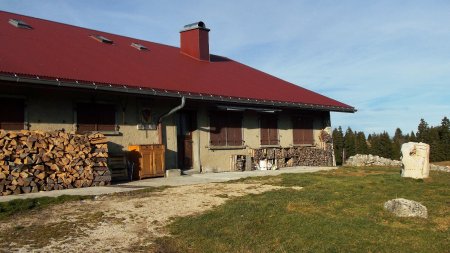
pixel 194 41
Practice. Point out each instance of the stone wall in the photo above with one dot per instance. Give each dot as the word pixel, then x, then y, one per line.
pixel 371 160
pixel 359 160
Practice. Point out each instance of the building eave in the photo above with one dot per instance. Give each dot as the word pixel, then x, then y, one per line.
pixel 123 88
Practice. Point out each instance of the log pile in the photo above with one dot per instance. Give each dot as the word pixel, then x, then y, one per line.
pixel 32 161
pixel 294 156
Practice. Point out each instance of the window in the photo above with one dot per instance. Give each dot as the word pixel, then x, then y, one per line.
pixel 19 23
pixel 269 129
pixel 96 117
pixel 226 129
pixel 303 131
pixel 12 114
pixel 139 46
pixel 102 39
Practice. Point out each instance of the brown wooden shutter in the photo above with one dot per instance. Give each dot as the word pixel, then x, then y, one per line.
pixel 217 130
pixel 269 130
pixel 273 132
pixel 264 132
pixel 234 129
pixel 308 132
pixel 303 130
pixel 106 117
pixel 12 113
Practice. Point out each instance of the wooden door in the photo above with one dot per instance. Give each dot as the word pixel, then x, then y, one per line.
pixel 185 127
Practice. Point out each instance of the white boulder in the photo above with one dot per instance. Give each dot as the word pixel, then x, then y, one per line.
pixel 406 208
pixel 416 160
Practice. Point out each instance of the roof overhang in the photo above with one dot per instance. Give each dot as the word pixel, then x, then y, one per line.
pixel 165 93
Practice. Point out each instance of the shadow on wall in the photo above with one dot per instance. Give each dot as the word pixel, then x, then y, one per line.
pixel 114 148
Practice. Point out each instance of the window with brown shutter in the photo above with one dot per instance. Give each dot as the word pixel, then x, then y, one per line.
pixel 93 117
pixel 12 114
pixel 269 130
pixel 225 129
pixel 303 131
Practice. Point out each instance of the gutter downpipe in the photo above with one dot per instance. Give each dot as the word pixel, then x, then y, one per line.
pixel 174 110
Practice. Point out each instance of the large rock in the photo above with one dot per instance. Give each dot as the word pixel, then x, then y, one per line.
pixel 406 208
pixel 416 160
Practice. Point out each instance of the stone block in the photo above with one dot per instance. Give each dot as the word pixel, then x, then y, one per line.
pixel 416 160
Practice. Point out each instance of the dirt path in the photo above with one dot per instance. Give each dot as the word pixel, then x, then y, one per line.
pixel 124 223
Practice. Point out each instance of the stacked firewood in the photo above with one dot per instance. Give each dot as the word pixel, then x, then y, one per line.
pixel 32 161
pixel 295 156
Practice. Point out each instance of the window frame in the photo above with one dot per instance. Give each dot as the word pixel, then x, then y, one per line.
pixel 114 130
pixel 228 121
pixel 23 123
pixel 264 125
pixel 303 125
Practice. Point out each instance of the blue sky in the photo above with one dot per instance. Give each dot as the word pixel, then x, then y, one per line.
pixel 389 59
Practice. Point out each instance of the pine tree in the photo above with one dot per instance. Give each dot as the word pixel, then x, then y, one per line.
pixel 361 146
pixel 397 143
pixel 374 144
pixel 423 130
pixel 436 151
pixel 385 145
pixel 338 143
pixel 444 138
pixel 412 137
pixel 349 143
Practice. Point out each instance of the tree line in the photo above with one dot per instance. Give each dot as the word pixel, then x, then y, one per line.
pixel 381 144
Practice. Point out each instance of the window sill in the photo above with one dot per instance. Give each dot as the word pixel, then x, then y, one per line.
pixel 303 145
pixel 270 146
pixel 226 147
pixel 106 133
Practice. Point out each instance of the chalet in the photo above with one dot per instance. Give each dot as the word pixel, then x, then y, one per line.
pixel 208 110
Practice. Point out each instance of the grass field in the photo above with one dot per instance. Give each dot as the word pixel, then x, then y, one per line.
pixel 336 211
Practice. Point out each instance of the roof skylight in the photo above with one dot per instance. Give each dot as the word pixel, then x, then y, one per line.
pixel 102 39
pixel 19 23
pixel 139 46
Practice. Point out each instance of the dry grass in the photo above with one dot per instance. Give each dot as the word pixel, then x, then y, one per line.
pixel 445 163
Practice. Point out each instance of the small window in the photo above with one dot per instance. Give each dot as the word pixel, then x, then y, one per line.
pixel 93 117
pixel 303 131
pixel 102 39
pixel 139 46
pixel 19 23
pixel 12 114
pixel 269 129
pixel 226 129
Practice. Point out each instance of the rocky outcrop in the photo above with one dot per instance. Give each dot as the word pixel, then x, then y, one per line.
pixel 406 208
pixel 416 160
pixel 371 160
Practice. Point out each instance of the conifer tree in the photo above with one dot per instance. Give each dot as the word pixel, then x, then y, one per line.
pixel 412 137
pixel 423 130
pixel 444 137
pixel 397 142
pixel 385 145
pixel 338 144
pixel 349 143
pixel 361 143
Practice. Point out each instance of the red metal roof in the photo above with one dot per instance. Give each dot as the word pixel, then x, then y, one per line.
pixel 53 50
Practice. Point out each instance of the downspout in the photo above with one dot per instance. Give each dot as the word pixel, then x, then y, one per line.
pixel 174 110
